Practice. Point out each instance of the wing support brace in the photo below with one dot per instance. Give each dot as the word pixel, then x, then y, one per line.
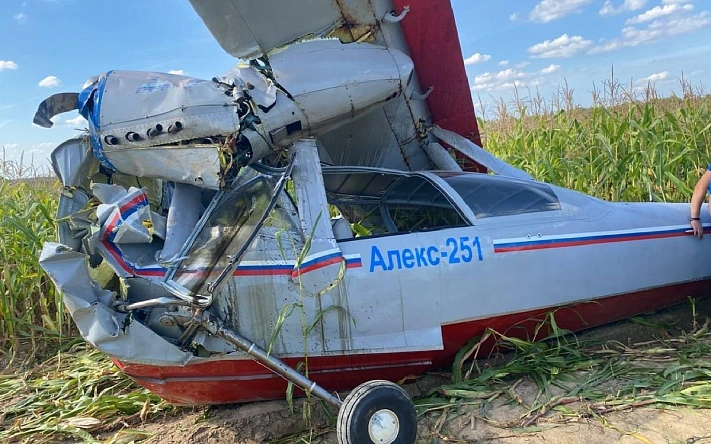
pixel 478 154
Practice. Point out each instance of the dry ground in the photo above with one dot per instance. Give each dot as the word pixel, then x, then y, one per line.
pixel 273 422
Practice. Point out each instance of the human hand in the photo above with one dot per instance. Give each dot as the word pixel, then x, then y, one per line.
pixel 698 228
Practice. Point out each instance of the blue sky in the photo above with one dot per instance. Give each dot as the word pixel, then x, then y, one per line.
pixel 50 46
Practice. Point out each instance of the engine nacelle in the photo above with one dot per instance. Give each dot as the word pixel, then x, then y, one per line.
pixel 195 131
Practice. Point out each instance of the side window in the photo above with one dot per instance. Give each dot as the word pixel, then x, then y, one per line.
pixel 412 218
pixel 414 205
pixel 365 218
pixel 378 203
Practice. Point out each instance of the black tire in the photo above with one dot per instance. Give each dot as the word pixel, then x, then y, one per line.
pixel 390 402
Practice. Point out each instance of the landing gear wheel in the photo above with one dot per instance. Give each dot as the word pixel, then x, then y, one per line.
pixel 377 412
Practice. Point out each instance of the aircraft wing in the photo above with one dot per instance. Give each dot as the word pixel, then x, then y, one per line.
pixel 392 136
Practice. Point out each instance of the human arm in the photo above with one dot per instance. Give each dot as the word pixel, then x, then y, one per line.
pixel 696 200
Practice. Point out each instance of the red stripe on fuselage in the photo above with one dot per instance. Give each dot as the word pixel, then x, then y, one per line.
pixel 574 243
pixel 240 380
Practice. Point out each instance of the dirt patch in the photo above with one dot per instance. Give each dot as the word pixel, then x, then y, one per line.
pixel 570 422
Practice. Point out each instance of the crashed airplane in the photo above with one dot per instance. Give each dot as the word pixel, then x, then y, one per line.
pixel 307 210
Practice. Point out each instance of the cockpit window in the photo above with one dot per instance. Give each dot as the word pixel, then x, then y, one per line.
pixel 491 196
pixel 377 203
pixel 414 205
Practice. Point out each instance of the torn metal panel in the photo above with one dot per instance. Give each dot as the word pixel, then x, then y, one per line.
pixel 73 224
pixel 136 119
pixel 245 77
pixel 124 216
pixel 54 105
pixel 89 306
pixel 73 162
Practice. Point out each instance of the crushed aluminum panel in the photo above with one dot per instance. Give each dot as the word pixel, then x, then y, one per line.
pixel 54 105
pixel 129 96
pixel 99 324
pixel 261 90
pixel 248 29
pixel 73 162
pixel 125 216
pixel 195 165
pixel 68 223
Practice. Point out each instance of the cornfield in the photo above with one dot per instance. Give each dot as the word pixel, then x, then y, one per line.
pixel 636 151
pixel 30 309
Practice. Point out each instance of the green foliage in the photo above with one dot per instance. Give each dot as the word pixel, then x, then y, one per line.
pixel 599 378
pixel 75 395
pixel 30 308
pixel 640 151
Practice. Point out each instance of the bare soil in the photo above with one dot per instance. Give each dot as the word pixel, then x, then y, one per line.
pixel 274 422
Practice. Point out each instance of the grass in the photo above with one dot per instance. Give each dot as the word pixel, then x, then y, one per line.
pixel 577 379
pixel 76 395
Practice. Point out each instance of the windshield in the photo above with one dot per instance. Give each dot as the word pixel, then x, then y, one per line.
pixel 492 196
pixel 230 225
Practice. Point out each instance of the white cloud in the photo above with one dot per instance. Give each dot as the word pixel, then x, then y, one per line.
pixel 563 46
pixel 178 72
pixel 44 146
pixel 627 5
pixel 7 64
pixel 549 10
pixel 506 79
pixel 49 82
pixel 550 69
pixel 664 27
pixel 477 58
pixel 658 12
pixel 504 63
pixel 521 65
pixel 10 146
pixel 655 77
pixel 77 121
pixel 513 17
pixel 4 123
pixel 20 18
